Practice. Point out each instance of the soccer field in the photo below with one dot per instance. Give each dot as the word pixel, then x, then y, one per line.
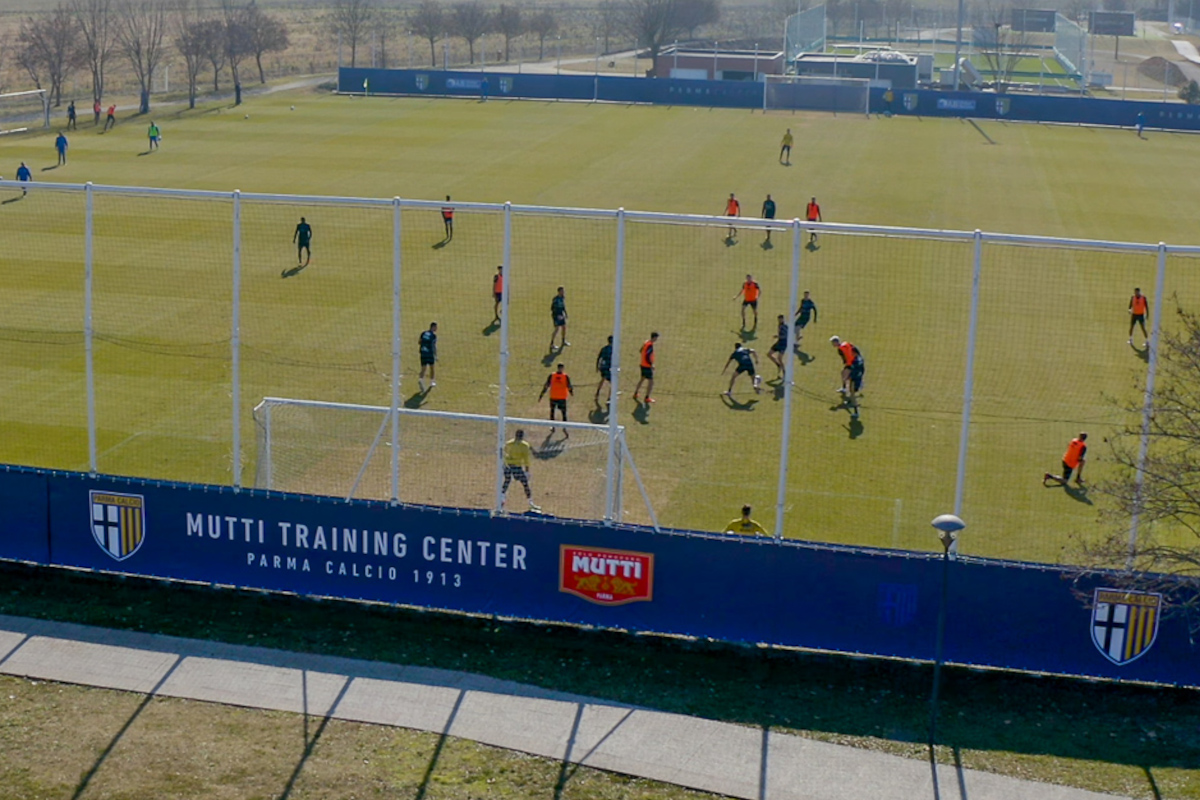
pixel 1051 358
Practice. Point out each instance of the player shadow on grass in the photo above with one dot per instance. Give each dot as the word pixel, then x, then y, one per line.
pixel 804 358
pixel 1076 492
pixel 145 153
pixel 1141 352
pixel 812 247
pixel 598 415
pixel 293 271
pixel 50 169
pixel 642 413
pixel 748 334
pixel 778 387
pixel 730 241
pixel 855 427
pixel 417 399
pixel 551 447
pixel 441 244
pixel 736 405
pixel 491 328
pixel 13 199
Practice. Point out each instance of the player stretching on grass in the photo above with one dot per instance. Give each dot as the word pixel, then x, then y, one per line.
pixel 732 209
pixel 749 293
pixel 497 292
pixel 768 212
pixel 1139 306
pixel 448 219
pixel 785 148
pixel 1072 462
pixel 647 364
pixel 558 312
pixel 559 385
pixel 604 367
pixel 853 369
pixel 747 362
pixel 518 458
pixel 812 212
pixel 302 238
pixel 806 311
pixel 780 345
pixel 427 348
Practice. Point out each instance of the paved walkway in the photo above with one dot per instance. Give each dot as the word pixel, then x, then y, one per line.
pixel 711 756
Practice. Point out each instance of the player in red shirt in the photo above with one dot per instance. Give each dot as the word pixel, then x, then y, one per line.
pixel 732 209
pixel 812 213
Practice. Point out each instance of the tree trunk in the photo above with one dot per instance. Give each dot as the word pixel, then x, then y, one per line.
pixel 262 78
pixel 506 42
pixel 216 79
pixel 541 47
pixel 471 49
pixel 432 52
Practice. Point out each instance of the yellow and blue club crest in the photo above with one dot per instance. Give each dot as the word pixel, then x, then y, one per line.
pixel 1124 623
pixel 118 522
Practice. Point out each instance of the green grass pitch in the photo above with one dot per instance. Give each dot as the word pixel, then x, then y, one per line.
pixel 1051 359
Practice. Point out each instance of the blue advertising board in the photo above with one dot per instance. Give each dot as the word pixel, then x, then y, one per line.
pixel 1001 614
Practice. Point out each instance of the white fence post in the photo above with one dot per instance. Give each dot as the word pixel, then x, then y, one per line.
pixel 1148 405
pixel 788 379
pixel 611 511
pixel 502 407
pixel 236 339
pixel 969 377
pixel 395 350
pixel 88 354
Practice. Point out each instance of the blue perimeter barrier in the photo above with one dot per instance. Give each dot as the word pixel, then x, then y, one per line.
pixel 749 94
pixel 1000 614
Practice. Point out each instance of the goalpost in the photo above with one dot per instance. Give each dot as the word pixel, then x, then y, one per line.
pixel 444 459
pixel 816 93
pixel 20 111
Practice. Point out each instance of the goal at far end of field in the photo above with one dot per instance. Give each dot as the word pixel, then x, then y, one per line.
pixel 23 111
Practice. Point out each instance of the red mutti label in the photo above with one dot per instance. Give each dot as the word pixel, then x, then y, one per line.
pixel 607 577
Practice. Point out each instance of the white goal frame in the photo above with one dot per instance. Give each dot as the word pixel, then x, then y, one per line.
pixel 392 416
pixel 841 82
pixel 45 98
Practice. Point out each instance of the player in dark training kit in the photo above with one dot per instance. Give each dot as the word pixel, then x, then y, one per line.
pixel 302 238
pixel 558 383
pixel 604 367
pixel 807 311
pixel 747 362
pixel 427 346
pixel 780 345
pixel 558 312
pixel 768 212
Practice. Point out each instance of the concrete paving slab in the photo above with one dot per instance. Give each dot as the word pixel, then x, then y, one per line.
pixel 68 661
pixel 402 705
pixel 9 642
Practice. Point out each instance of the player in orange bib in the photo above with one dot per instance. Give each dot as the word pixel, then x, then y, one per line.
pixel 646 361
pixel 812 213
pixel 732 209
pixel 1072 462
pixel 558 383
pixel 1139 306
pixel 448 220
pixel 497 292
pixel 749 293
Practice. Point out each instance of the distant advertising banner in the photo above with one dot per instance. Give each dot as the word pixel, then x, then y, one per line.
pixel 1111 23
pixel 740 589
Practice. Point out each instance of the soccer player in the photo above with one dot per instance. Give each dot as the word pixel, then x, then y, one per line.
pixel 785 148
pixel 96 111
pixel 812 212
pixel 604 367
pixel 1139 306
pixel 448 219
pixel 744 524
pixel 154 134
pixel 1140 121
pixel 1072 462
pixel 111 120
pixel 24 176
pixel 497 292
pixel 60 146
pixel 558 313
pixel 646 361
pixel 427 346
pixel 747 362
pixel 559 385
pixel 732 209
pixel 749 293
pixel 853 369
pixel 807 310
pixel 71 126
pixel 780 345
pixel 518 458
pixel 768 212
pixel 302 238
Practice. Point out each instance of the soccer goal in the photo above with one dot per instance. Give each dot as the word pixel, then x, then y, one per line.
pixel 23 111
pixel 816 93
pixel 444 458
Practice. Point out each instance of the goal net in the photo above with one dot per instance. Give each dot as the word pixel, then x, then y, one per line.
pixel 816 93
pixel 804 32
pixel 23 111
pixel 444 458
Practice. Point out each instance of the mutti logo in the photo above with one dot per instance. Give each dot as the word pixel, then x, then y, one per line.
pixel 606 577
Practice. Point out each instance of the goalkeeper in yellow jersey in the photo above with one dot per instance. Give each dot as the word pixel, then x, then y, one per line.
pixel 745 525
pixel 518 458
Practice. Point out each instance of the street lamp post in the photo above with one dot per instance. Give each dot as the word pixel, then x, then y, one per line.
pixel 947 526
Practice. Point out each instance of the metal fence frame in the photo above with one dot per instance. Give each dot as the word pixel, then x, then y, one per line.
pixel 620 217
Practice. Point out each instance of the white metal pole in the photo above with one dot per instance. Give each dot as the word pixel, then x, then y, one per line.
pixel 1148 405
pixel 236 339
pixel 715 51
pixel 969 378
pixel 269 470
pixel 958 46
pixel 611 512
pixel 395 349
pixel 502 408
pixel 788 380
pixel 88 354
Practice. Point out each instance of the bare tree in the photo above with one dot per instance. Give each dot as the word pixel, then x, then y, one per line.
pixel 428 22
pixel 350 20
pixel 1161 491
pixel 471 21
pixel 211 36
pixel 653 23
pixel 695 14
pixel 1002 48
pixel 264 34
pixel 48 47
pixel 510 24
pixel 190 33
pixel 94 19
pixel 141 26
pixel 237 42
pixel 543 24
pixel 610 20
